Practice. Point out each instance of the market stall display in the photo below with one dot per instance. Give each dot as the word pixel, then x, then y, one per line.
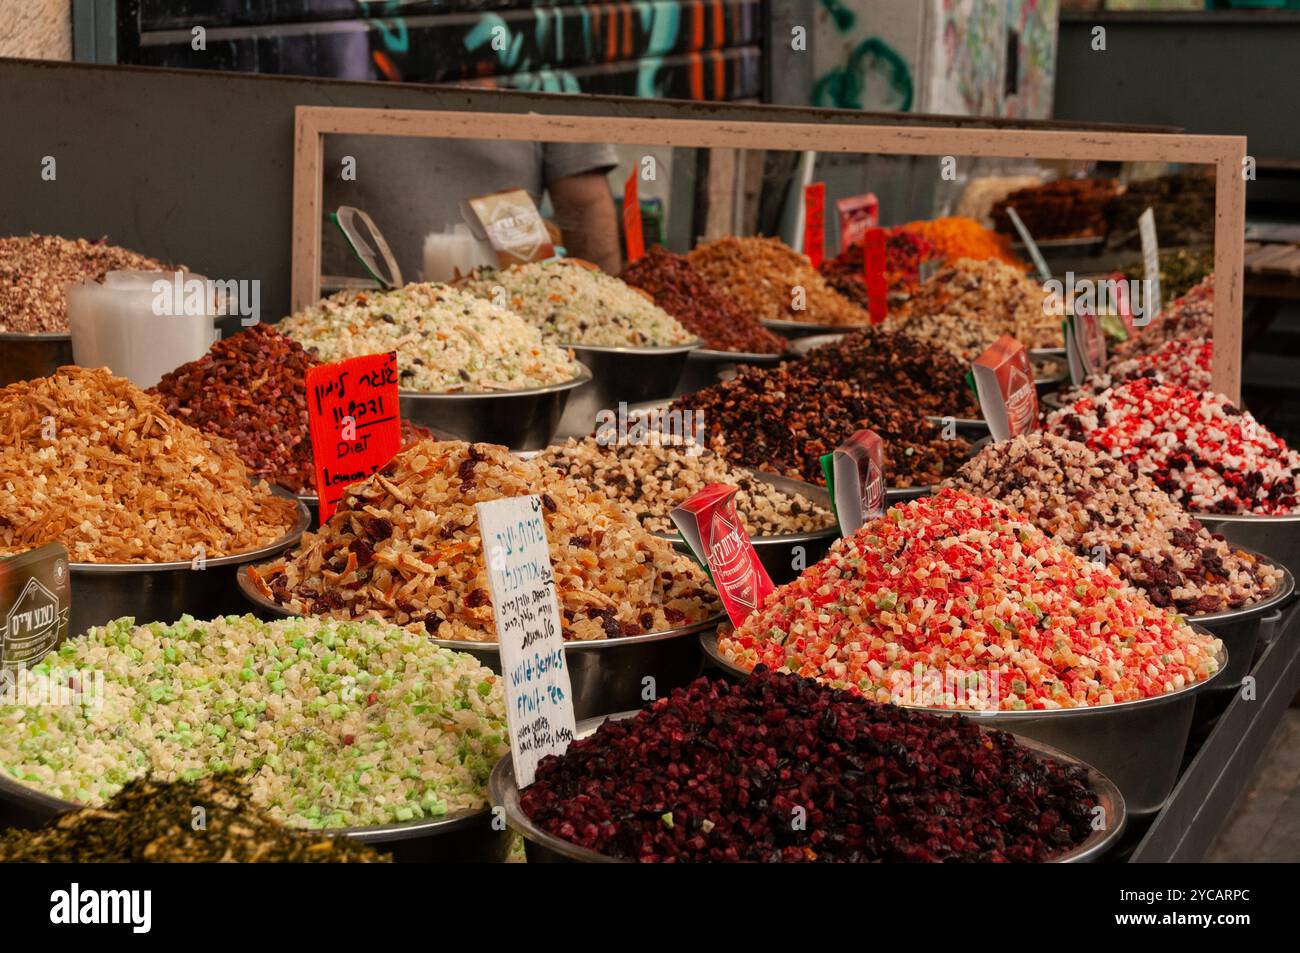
pixel 151 821
pixel 331 724
pixel 1183 204
pixel 1189 317
pixel 700 305
pixel 905 253
pixel 404 547
pixel 1062 208
pixel 957 237
pixel 707 775
pixel 1181 270
pixel 1205 452
pixel 783 420
pixel 1184 362
pixel 773 282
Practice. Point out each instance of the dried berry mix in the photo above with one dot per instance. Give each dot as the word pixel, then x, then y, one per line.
pixel 783 420
pixel 152 821
pixel 780 768
pixel 909 371
pixel 1064 208
pixel 905 252
pixel 698 303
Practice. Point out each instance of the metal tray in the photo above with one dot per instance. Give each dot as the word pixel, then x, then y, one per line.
pixel 463 836
pixel 1277 537
pixel 803 329
pixel 542 847
pixel 1240 629
pixel 163 592
pixel 705 367
pixel 605 674
pixel 25 357
pixel 518 419
pixel 622 375
pixel 1138 745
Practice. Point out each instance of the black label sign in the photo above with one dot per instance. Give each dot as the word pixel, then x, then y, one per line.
pixel 35 598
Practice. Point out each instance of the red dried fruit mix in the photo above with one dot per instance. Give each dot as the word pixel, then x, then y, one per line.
pixel 780 768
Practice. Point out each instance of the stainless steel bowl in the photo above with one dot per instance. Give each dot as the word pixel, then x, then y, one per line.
pixel 803 329
pixel 622 375
pixel 1240 629
pixel 163 592
pixel 705 367
pixel 1037 353
pixel 1051 383
pixel 605 674
pixel 463 836
pixel 1138 745
pixel 518 419
pixel 811 342
pixel 1277 537
pixel 25 357
pixel 541 847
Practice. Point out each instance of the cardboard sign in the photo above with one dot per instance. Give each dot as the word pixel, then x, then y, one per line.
pixel 633 233
pixel 856 215
pixel 1031 246
pixel 511 222
pixel 354 419
pixel 711 527
pixel 35 599
pixel 855 477
pixel 539 697
pixel 873 274
pixel 1085 345
pixel 1150 266
pixel 1122 304
pixel 814 222
pixel 1004 382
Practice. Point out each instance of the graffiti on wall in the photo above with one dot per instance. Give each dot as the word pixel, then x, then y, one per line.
pixel 870 74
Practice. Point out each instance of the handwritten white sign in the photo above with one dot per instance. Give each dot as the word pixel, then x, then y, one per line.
pixel 1150 265
pixel 539 698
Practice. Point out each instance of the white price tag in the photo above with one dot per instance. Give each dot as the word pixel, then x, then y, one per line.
pixel 1150 266
pixel 539 698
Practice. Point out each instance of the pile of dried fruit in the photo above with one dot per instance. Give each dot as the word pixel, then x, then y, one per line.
pixel 251 389
pixel 783 420
pixel 905 252
pixel 1190 317
pixel 956 237
pixel 906 369
pixel 655 480
pixel 35 268
pixel 770 280
pixel 1063 208
pixel 1183 203
pixel 1181 270
pixel 699 305
pixel 153 822
pixel 1096 506
pixel 783 769
pixel 92 461
pixel 404 547
pixel 1208 454
pixel 958 601
pixel 991 294
pixel 1180 361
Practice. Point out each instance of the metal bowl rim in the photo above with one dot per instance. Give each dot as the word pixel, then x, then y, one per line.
pixel 217 562
pixel 743 357
pixel 779 325
pixel 36 336
pixel 1248 518
pixel 709 645
pixel 584 376
pixel 502 782
pixel 644 351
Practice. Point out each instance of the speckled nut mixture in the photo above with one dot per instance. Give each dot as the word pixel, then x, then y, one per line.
pixel 572 302
pixel 699 305
pixel 654 480
pixel 90 460
pixel 991 293
pixel 330 724
pixel 761 275
pixel 908 370
pixel 34 269
pixel 404 547
pixel 782 421
pixel 447 341
pixel 1099 508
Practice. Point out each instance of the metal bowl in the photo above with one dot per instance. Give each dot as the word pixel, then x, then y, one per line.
pixel 605 674
pixel 463 836
pixel 705 367
pixel 25 357
pixel 163 592
pixel 1052 383
pixel 1278 537
pixel 542 847
pixel 1240 629
pixel 811 342
pixel 1138 745
pixel 519 419
pixel 803 329
pixel 1038 353
pixel 622 375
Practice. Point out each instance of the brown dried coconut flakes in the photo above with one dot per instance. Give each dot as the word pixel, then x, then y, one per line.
pixel 122 480
pixel 404 547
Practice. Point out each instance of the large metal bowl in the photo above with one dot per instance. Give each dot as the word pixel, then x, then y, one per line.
pixel 1240 629
pixel 463 836
pixel 163 592
pixel 518 419
pixel 543 847
pixel 605 674
pixel 705 367
pixel 25 357
pixel 1277 537
pixel 1138 745
pixel 622 375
